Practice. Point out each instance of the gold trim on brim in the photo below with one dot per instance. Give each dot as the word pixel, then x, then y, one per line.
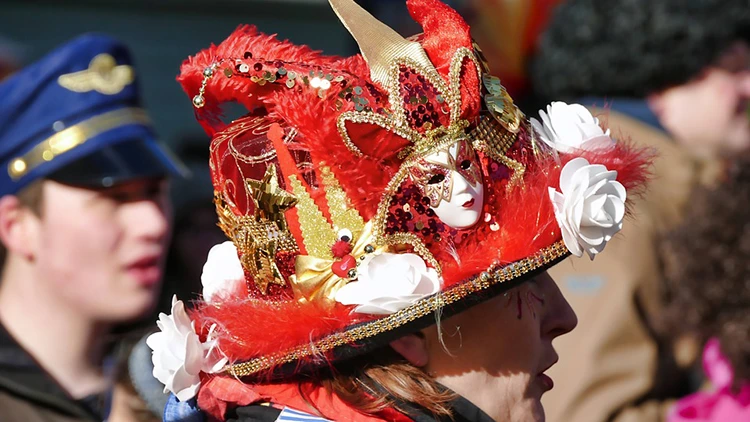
pixel 420 309
pixel 75 135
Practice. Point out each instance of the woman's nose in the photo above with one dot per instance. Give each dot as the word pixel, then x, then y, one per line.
pixel 561 318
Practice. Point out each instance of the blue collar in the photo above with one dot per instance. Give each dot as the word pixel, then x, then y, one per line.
pixel 632 107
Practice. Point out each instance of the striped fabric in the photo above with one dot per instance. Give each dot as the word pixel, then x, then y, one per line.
pixel 290 415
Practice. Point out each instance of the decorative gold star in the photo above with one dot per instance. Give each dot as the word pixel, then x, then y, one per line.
pixel 268 233
pixel 270 200
pixel 264 265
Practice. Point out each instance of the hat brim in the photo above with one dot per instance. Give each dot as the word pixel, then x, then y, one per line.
pixel 125 154
pixel 365 337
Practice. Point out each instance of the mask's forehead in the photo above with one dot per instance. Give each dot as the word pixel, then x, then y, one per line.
pixel 447 155
pixel 441 157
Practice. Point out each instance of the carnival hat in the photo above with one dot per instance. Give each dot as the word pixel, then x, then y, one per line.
pixel 363 196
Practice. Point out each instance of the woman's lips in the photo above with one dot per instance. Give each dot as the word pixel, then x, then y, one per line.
pixel 469 203
pixel 546 381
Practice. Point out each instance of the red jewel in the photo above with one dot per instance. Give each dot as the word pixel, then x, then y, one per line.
pixel 341 267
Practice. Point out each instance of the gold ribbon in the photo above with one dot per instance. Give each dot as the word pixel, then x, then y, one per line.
pixel 315 281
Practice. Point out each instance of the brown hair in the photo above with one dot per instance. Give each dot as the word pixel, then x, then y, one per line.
pixel 707 269
pixel 381 380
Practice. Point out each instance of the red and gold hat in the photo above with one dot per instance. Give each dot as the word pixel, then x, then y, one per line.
pixel 363 195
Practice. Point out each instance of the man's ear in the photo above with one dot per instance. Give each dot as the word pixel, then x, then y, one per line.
pixel 413 348
pixel 15 227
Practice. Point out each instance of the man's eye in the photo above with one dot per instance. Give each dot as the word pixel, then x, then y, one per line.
pixel 435 179
pixel 465 164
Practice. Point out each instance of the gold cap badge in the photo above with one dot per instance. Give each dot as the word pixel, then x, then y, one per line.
pixel 103 75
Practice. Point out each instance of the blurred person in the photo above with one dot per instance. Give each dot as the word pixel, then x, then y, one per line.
pixel 84 221
pixel 10 58
pixel 137 396
pixel 707 268
pixel 390 227
pixel 195 228
pixel 675 76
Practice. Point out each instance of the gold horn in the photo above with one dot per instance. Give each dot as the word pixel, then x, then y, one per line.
pixel 380 45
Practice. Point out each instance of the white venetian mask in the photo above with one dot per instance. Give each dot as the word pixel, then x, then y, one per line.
pixel 452 179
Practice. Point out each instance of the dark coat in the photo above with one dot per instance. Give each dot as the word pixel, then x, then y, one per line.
pixel 29 394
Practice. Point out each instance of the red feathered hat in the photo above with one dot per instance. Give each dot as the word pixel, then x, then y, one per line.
pixel 362 195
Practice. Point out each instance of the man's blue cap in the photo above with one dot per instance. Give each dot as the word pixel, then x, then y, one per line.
pixel 75 117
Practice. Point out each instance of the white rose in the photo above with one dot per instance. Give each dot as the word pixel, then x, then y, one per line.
pixel 178 354
pixel 567 127
pixel 590 208
pixel 222 272
pixel 388 282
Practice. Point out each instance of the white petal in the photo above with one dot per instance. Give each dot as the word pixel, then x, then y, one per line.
pixel 591 235
pixel 387 305
pixel 542 132
pixel 214 367
pixel 193 354
pixel 583 114
pixel 429 283
pixel 565 124
pixel 614 188
pixel 355 293
pixel 599 173
pixel 154 342
pixel 179 315
pixel 547 124
pixel 615 207
pixel 184 385
pixel 568 172
pixel 371 309
pixel 571 242
pixel 222 271
pixel 594 212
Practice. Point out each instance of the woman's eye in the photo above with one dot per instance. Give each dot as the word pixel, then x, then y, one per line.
pixel 465 164
pixel 435 179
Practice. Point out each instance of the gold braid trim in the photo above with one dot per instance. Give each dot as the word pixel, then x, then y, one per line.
pixel 423 307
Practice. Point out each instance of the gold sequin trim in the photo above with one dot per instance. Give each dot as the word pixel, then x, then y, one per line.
pixel 492 139
pixel 316 232
pixel 395 122
pixel 343 215
pixel 426 306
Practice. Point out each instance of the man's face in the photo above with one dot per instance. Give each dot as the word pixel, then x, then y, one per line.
pixel 102 250
pixel 711 111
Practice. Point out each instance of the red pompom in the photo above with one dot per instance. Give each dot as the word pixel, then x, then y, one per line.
pixel 341 248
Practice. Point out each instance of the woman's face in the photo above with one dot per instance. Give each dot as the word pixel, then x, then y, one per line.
pixel 495 354
pixel 452 179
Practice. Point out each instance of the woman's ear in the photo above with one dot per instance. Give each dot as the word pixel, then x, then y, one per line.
pixel 413 348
